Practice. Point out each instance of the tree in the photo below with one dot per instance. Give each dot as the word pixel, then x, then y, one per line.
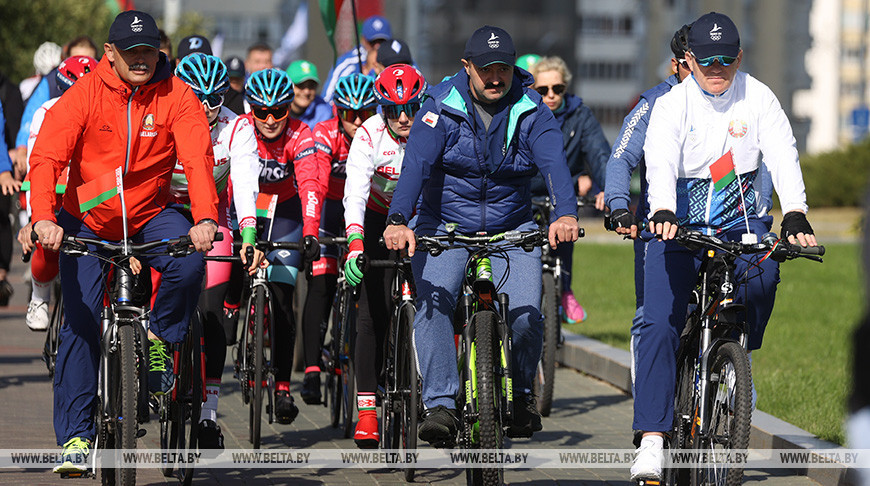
pixel 27 24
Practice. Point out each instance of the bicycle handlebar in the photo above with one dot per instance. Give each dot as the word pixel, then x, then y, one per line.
pixel 779 250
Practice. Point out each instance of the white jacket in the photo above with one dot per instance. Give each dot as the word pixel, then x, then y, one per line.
pixel 690 129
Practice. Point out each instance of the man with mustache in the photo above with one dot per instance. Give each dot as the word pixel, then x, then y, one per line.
pixel 481 136
pixel 133 114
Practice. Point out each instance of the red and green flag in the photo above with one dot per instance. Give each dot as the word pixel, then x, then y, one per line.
pixel 722 171
pixel 329 10
pixel 100 190
pixel 266 205
pixel 60 187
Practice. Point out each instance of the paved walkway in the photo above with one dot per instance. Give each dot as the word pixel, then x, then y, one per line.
pixel 586 414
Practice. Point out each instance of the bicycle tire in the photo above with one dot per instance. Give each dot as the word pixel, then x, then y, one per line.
pixel 167 439
pixel 126 401
pixel 409 380
pixel 685 406
pixel 490 431
pixel 256 410
pixel 194 358
pixel 730 416
pixel 348 389
pixel 335 380
pixel 547 375
pixel 49 352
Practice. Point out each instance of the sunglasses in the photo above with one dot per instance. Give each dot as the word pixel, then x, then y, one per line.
pixel 394 111
pixel 723 61
pixel 212 101
pixel 350 116
pixel 557 89
pixel 278 113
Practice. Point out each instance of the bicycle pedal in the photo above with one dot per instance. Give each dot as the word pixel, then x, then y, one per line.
pixel 75 475
pixel 648 482
pixel 141 433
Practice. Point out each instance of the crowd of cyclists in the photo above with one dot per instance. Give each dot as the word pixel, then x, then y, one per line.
pixel 385 155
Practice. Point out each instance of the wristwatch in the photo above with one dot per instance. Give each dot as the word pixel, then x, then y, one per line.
pixel 208 220
pixel 396 219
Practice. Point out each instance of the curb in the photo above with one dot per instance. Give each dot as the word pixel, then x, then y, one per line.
pixel 768 432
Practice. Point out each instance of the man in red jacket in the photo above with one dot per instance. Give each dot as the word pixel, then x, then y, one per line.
pixel 133 115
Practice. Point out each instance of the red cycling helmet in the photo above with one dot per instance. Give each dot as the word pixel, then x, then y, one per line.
pixel 400 84
pixel 72 68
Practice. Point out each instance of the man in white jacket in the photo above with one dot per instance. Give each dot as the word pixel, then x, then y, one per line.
pixel 696 130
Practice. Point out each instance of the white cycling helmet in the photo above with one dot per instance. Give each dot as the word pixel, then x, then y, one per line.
pixel 46 57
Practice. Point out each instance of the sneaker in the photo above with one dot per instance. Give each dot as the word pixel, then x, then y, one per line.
pixel 6 292
pixel 439 427
pixel 37 316
pixel 366 435
pixel 160 375
pixel 572 311
pixel 74 456
pixel 648 461
pixel 285 410
pixel 210 436
pixel 311 388
pixel 527 419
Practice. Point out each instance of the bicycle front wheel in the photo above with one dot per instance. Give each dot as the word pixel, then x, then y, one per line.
pixel 49 353
pixel 730 416
pixel 192 393
pixel 408 380
pixel 348 385
pixel 258 364
pixel 125 402
pixel 545 379
pixel 489 392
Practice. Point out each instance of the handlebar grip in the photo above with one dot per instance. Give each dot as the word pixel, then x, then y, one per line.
pixel 809 250
pixel 249 254
pixel 219 236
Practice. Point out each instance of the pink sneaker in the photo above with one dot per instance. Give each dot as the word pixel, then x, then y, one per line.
pixel 572 311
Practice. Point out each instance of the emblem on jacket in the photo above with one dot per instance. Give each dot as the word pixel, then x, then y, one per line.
pixel 737 128
pixel 148 126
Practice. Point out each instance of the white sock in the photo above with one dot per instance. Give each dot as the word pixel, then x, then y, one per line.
pixel 652 440
pixel 41 291
pixel 212 393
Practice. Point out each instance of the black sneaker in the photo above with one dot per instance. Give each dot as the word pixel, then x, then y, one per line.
pixel 285 410
pixel 439 427
pixel 311 388
pixel 6 292
pixel 527 419
pixel 210 436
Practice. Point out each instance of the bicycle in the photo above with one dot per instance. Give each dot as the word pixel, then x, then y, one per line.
pixel 485 401
pixel 401 405
pixel 713 400
pixel 551 292
pixel 122 390
pixel 49 351
pixel 336 355
pixel 253 364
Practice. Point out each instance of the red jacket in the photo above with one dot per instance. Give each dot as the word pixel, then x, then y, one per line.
pixel 98 122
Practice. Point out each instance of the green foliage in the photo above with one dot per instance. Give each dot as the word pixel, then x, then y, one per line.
pixel 801 372
pixel 27 24
pixel 837 178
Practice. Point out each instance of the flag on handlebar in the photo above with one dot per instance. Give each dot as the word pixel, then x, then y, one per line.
pixel 100 190
pixel 722 171
pixel 266 205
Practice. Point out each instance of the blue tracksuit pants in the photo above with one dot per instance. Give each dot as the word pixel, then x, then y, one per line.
pixel 82 282
pixel 670 274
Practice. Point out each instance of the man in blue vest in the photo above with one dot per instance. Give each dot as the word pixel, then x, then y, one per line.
pixel 477 142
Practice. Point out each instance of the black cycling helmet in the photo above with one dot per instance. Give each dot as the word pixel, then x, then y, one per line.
pixel 680 42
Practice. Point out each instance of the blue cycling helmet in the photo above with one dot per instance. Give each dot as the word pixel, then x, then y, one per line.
pixel 205 74
pixel 355 92
pixel 269 87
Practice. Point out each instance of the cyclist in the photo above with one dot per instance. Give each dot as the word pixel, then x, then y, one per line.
pixel 307 105
pixel 236 164
pixel 354 100
pixel 702 150
pixel 373 167
pixel 132 91
pixel 43 265
pixel 586 150
pixel 290 169
pixel 482 135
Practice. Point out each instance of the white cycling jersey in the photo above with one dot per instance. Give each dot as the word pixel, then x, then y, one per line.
pixel 690 129
pixel 373 166
pixel 235 157
pixel 35 124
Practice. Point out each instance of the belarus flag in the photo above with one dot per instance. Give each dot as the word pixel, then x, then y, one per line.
pixel 266 205
pixel 722 171
pixel 99 190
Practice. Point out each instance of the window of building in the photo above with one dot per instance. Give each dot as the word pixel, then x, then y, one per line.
pixel 606 25
pixel 609 114
pixel 606 70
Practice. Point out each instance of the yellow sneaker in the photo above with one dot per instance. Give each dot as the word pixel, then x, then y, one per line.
pixel 75 456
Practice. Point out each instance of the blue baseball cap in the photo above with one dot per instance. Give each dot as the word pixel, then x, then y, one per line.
pixel 489 45
pixel 714 34
pixel 377 28
pixel 134 28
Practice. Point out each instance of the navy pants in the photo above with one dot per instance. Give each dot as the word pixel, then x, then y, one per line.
pixel 82 282
pixel 670 273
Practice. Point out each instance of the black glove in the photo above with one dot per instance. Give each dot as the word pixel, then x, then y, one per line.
pixel 310 249
pixel 795 222
pixel 664 216
pixel 622 218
